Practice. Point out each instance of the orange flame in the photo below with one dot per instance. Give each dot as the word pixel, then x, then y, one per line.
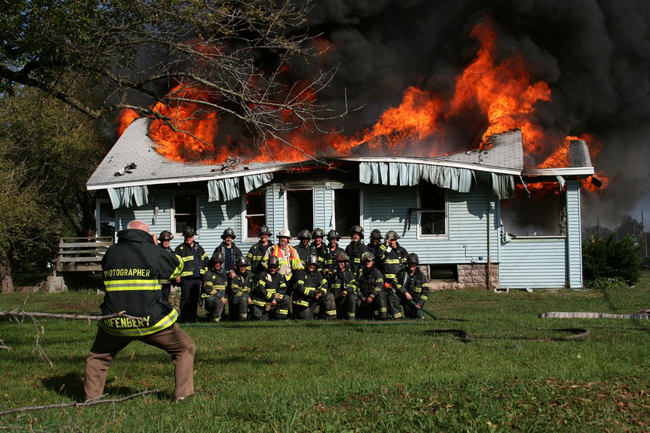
pixel 124 119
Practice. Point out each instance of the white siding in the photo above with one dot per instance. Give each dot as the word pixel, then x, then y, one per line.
pixel 533 263
pixel 574 235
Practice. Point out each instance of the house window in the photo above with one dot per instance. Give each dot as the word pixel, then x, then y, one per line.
pixel 300 210
pixel 185 212
pixel 255 216
pixel 105 218
pixel 347 209
pixel 541 214
pixel 433 210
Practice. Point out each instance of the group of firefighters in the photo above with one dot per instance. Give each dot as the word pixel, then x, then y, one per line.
pixel 280 281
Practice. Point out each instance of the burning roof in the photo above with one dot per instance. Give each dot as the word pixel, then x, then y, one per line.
pixel 135 161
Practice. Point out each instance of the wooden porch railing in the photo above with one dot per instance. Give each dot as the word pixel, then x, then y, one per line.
pixel 82 254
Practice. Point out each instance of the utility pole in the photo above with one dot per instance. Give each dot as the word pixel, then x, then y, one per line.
pixel 645 236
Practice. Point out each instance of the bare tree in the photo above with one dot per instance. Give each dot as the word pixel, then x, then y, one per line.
pixel 229 57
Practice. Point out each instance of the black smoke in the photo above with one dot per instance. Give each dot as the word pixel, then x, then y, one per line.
pixel 595 56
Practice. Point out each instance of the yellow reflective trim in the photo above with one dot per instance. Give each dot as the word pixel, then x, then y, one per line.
pixel 331 312
pixel 163 323
pixel 127 285
pixel 302 303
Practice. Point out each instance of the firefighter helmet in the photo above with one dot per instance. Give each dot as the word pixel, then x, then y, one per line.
pixel 304 234
pixel 311 260
pixel 241 262
pixel 392 235
pixel 188 232
pixel 333 234
pixel 342 257
pixel 264 230
pixel 375 234
pixel 317 233
pixel 228 232
pixel 412 259
pixel 357 229
pixel 284 233
pixel 217 257
pixel 368 256
pixel 274 262
pixel 165 235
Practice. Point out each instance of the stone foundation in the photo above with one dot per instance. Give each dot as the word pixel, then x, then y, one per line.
pixel 470 276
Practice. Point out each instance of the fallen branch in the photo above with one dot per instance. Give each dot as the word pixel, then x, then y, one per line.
pixel 84 404
pixel 64 316
pixel 3 347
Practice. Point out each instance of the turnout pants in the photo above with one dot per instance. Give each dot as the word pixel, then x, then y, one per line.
pixel 279 312
pixel 172 340
pixel 238 308
pixel 346 306
pixel 379 304
pixel 214 306
pixel 190 292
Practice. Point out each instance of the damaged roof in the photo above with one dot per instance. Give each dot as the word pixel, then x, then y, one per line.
pixel 134 161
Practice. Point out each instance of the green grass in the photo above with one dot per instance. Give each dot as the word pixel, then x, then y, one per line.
pixel 512 375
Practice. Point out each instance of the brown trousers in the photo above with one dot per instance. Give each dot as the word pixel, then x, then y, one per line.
pixel 173 340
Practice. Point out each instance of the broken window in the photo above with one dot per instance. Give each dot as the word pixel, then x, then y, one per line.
pixel 105 217
pixel 347 210
pixel 255 216
pixel 300 210
pixel 541 214
pixel 185 212
pixel 433 210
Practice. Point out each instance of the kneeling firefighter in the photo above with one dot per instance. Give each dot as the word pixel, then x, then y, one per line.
pixel 213 292
pixel 372 296
pixel 240 290
pixel 269 298
pixel 310 291
pixel 344 288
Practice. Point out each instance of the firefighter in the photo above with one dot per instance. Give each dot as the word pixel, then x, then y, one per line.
pixel 310 291
pixel 394 260
pixel 372 296
pixel 131 269
pixel 257 251
pixel 375 247
pixel 327 258
pixel 356 248
pixel 240 289
pixel 195 265
pixel 304 248
pixel 344 288
pixel 213 292
pixel 229 250
pixel 287 255
pixel 413 288
pixel 165 238
pixel 317 236
pixel 269 298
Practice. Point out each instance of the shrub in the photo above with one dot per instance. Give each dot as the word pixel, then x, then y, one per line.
pixel 612 259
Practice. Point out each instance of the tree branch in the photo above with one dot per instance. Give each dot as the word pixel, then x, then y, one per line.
pixel 84 404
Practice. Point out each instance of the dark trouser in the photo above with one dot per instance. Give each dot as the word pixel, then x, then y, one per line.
pixel 214 306
pixel 239 308
pixel 279 312
pixel 379 304
pixel 166 290
pixel 346 306
pixel 394 304
pixel 410 311
pixel 190 291
pixel 327 306
pixel 172 340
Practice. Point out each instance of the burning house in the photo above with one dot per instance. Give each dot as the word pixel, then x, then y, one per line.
pixel 460 213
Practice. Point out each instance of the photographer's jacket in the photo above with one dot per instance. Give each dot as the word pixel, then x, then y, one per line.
pixel 131 269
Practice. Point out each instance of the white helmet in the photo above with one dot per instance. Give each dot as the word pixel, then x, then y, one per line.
pixel 284 233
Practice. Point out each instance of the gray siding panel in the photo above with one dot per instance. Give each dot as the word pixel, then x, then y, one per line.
pixel 533 263
pixel 574 235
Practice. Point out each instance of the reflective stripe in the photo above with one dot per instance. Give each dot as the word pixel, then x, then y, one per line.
pixel 283 312
pixel 163 323
pixel 302 303
pixel 391 261
pixel 331 312
pixel 122 285
pixel 259 303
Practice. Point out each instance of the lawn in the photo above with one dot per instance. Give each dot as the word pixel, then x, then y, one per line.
pixel 514 373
